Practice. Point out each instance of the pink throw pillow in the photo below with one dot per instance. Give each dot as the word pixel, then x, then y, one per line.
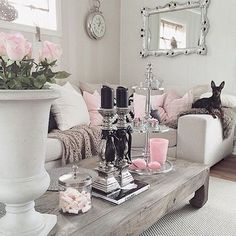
pixel 140 100
pixel 93 102
pixel 157 100
pixel 173 106
pixel 170 96
pixel 139 105
pixel 162 114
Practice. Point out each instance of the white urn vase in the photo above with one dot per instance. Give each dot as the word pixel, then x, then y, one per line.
pixel 24 116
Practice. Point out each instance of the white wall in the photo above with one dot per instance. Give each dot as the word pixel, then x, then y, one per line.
pixel 182 72
pixel 86 59
pixel 116 56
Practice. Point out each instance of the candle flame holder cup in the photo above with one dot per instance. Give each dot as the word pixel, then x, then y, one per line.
pixel 122 113
pixel 108 118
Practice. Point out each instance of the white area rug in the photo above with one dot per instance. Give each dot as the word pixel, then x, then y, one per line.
pixel 216 218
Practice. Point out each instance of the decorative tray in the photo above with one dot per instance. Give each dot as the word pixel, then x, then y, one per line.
pixel 147 128
pixel 146 88
pixel 167 167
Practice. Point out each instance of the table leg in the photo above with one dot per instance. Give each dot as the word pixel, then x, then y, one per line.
pixel 201 195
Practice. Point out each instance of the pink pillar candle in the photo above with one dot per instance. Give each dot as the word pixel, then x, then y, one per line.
pixel 158 150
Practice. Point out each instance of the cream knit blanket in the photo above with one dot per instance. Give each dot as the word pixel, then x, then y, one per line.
pixel 227 120
pixel 78 143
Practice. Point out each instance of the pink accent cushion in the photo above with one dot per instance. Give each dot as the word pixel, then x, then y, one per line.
pixel 157 101
pixel 139 105
pixel 140 100
pixel 93 102
pixel 163 115
pixel 170 96
pixel 175 104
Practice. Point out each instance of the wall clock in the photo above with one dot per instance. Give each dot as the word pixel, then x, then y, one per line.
pixel 96 25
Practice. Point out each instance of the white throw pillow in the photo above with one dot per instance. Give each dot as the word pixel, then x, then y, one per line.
pixel 69 109
pixel 198 90
pixel 227 100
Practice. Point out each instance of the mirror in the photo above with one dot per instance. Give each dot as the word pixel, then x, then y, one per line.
pixel 175 29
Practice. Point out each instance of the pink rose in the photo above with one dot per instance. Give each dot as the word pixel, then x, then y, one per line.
pixel 50 51
pixel 2 44
pixel 16 47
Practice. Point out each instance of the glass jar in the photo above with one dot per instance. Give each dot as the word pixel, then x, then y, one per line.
pixel 75 191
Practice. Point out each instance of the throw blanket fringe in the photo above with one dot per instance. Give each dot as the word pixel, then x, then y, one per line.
pixel 227 121
pixel 78 143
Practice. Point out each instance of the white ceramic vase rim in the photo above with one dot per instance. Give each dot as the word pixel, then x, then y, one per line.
pixel 36 94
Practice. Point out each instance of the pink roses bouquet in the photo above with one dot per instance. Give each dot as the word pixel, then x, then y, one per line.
pixel 18 70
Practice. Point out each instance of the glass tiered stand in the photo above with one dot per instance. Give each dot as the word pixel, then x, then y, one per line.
pixel 148 125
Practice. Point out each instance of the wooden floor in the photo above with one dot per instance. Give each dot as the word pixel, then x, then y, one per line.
pixel 225 169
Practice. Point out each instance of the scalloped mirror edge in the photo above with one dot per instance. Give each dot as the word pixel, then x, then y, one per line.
pixel 201 49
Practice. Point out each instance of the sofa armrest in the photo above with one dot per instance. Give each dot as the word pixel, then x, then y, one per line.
pixel 199 139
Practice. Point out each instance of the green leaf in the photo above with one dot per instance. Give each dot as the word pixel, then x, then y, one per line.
pixel 26 82
pixel 26 67
pixel 62 75
pixel 39 81
pixel 1 76
pixel 49 74
pixel 26 74
pixel 37 73
pixel 37 84
pixel 14 84
pixel 52 80
pixel 3 84
pixel 53 63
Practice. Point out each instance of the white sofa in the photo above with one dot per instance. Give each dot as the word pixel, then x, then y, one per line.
pixel 198 139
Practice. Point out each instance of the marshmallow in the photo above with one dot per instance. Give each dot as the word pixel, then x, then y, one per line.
pixel 72 201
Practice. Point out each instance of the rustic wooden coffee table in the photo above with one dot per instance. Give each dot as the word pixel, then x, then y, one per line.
pixel 137 214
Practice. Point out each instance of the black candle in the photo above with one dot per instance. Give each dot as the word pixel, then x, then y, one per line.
pixel 107 97
pixel 122 97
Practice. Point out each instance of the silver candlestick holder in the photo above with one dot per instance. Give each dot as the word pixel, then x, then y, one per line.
pixel 123 162
pixel 106 181
pixel 122 113
pixel 108 118
pixel 114 182
pixel 113 172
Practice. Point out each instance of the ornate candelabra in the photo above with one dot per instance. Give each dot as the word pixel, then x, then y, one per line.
pixel 106 181
pixel 114 154
pixel 123 147
pixel 115 147
pixel 114 182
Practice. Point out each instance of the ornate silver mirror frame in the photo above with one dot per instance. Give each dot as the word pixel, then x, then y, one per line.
pixel 169 7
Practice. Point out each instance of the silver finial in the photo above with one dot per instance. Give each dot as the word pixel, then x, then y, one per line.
pixel 75 170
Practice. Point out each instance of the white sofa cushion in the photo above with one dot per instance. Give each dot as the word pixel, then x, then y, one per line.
pixel 69 109
pixel 54 149
pixel 138 140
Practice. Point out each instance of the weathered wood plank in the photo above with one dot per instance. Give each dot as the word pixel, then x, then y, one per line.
pixel 134 216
